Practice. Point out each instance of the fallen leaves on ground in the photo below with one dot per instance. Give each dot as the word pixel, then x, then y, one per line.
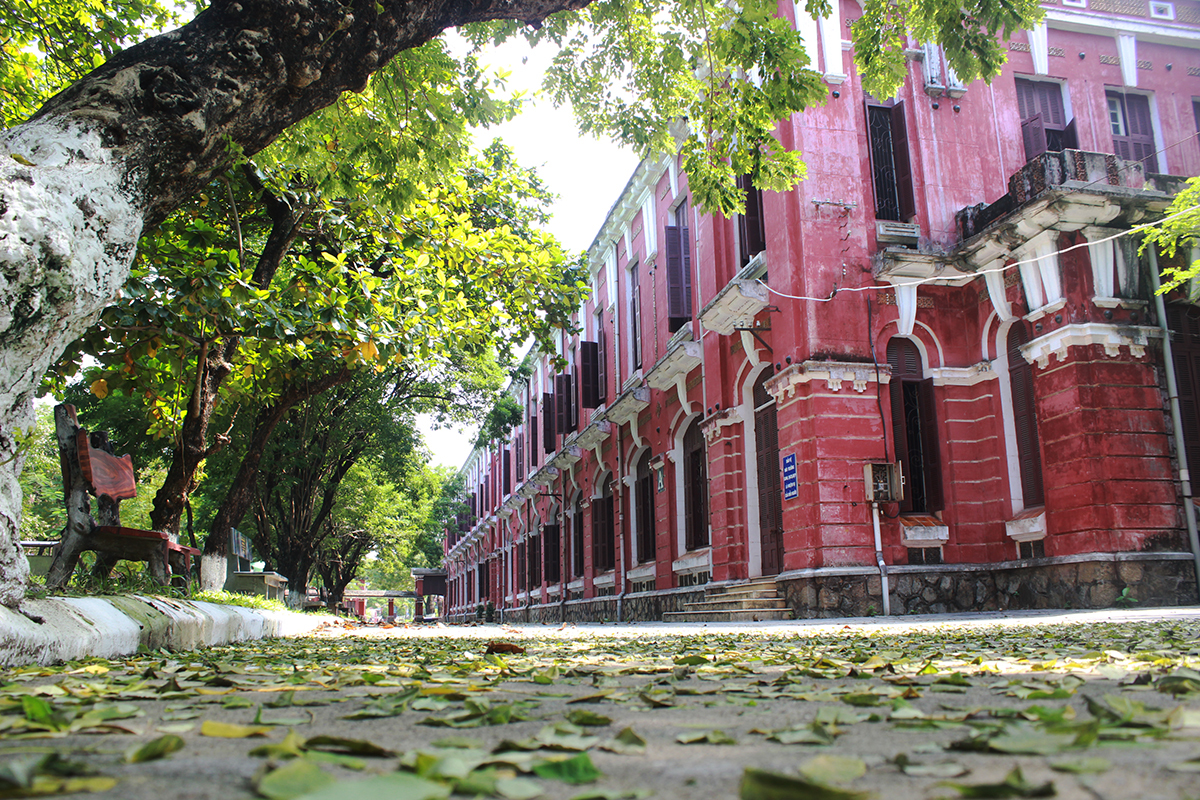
pixel 829 716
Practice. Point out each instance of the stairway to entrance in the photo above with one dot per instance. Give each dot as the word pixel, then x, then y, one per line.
pixel 756 601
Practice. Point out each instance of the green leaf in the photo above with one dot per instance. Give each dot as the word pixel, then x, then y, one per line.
pixel 228 730
pixel 1082 765
pixel 518 788
pixel 576 770
pixel 582 716
pixel 758 784
pixel 625 743
pixel 338 744
pixel 691 661
pixel 296 778
pixel 1013 785
pixel 394 786
pixel 706 737
pixel 833 769
pixel 155 749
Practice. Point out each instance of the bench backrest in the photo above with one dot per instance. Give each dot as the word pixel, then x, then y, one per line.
pixel 105 473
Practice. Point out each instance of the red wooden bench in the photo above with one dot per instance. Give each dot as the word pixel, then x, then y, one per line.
pixel 90 467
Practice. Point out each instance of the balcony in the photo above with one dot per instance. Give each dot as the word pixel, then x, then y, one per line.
pixel 1070 189
pixel 594 434
pixel 675 366
pixel 628 405
pixel 736 305
pixel 567 456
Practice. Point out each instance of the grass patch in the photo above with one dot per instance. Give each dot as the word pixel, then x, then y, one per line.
pixel 244 600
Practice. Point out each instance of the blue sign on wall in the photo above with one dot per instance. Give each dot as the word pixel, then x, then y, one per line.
pixel 791 486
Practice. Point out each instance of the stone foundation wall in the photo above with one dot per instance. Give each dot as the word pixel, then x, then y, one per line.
pixel 1086 581
pixel 1157 579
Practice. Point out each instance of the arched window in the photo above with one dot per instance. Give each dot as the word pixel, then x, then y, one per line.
pixel 695 488
pixel 914 428
pixel 644 497
pixel 577 539
pixel 603 552
pixel 1029 451
pixel 551 549
pixel 770 499
pixel 1184 322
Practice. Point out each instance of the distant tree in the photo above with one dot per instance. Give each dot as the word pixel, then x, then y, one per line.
pixel 1179 235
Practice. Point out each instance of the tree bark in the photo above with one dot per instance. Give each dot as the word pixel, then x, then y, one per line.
pixel 125 145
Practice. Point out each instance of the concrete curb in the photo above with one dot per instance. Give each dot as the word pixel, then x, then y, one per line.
pixel 59 629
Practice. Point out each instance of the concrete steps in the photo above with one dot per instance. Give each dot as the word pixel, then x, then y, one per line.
pixel 756 601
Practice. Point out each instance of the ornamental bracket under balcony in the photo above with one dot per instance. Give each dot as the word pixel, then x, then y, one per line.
pixel 625 409
pixel 673 370
pixel 907 270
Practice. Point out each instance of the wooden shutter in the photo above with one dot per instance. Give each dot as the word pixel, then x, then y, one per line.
pixel 533 438
pixel 1184 322
pixel 550 553
pixel 572 402
pixel 1141 130
pixel 1029 457
pixel 635 317
pixel 1033 135
pixel 770 495
pixel 930 450
pixel 507 468
pixel 905 361
pixel 1050 104
pixel 1026 100
pixel 577 554
pixel 561 388
pixel 589 374
pixel 602 533
pixel 751 225
pixel 685 243
pixel 1138 142
pixel 601 359
pixel 535 562
pixel 676 314
pixel 548 422
pixel 644 497
pixel 900 159
pixel 695 489
pixel 1071 136
pixel 520 565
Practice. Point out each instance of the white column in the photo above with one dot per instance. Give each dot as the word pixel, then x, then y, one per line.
pixel 831 44
pixel 994 277
pixel 906 302
pixel 1127 50
pixel 1101 255
pixel 806 26
pixel 1039 48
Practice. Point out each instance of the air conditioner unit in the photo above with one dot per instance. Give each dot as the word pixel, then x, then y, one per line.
pixel 885 482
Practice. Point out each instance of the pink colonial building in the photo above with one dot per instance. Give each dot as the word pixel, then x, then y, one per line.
pixel 930 378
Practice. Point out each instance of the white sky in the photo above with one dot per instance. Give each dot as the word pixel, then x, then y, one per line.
pixel 587 175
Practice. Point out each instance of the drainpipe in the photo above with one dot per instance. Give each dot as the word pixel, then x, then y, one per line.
pixel 1185 479
pixel 627 501
pixel 883 576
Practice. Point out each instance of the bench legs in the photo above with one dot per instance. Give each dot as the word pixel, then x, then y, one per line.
pixel 66 555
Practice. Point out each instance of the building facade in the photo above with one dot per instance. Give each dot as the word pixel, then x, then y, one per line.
pixel 929 378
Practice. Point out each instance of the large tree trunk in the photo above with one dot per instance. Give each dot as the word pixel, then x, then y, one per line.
pixel 123 147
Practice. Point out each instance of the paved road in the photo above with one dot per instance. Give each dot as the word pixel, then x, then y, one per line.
pixel 871 690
